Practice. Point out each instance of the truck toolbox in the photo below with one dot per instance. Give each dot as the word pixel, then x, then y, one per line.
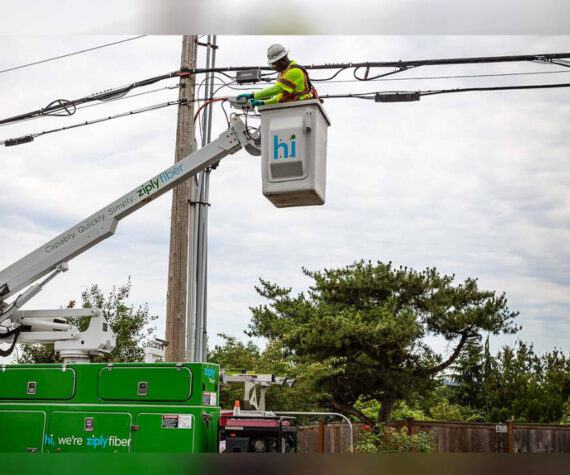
pixel 74 431
pixel 22 430
pixel 43 383
pixel 145 383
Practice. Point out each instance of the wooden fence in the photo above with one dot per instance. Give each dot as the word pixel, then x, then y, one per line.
pixel 449 437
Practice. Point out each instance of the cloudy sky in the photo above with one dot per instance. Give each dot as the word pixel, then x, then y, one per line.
pixel 475 184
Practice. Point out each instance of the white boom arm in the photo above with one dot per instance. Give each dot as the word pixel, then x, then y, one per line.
pixel 103 223
pixel 52 257
pixel 52 326
pixel 252 381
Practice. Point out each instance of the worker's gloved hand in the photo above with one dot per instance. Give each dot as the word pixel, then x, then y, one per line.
pixel 255 102
pixel 249 96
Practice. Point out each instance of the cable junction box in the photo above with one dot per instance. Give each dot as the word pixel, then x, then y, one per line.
pixel 250 75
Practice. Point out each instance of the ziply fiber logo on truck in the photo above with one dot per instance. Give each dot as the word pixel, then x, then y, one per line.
pixel 210 373
pixel 154 185
pixel 93 441
pixel 286 146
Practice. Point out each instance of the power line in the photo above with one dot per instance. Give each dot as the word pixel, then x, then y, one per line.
pixel 372 95
pixel 495 88
pixel 231 85
pixel 363 95
pixel 110 95
pixel 131 97
pixel 222 84
pixel 31 137
pixel 71 54
pixel 56 107
pixel 59 106
pixel 104 103
pixel 543 58
pixel 449 77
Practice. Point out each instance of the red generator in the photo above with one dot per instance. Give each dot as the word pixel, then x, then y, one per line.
pixel 256 433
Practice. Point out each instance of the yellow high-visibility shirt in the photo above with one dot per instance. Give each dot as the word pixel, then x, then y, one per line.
pixel 292 80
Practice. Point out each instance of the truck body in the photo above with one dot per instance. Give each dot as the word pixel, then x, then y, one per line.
pixel 109 408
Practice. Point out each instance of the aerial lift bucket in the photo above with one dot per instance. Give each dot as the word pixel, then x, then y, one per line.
pixel 294 153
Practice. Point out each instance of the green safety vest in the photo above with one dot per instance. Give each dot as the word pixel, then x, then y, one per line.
pixel 296 84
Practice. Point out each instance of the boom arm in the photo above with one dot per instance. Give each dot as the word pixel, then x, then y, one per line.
pixel 53 255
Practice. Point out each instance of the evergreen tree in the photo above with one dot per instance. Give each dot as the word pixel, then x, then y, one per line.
pixel 362 329
pixel 468 375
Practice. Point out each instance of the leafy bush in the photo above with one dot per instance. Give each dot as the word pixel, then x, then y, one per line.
pixel 475 418
pixel 470 414
pixel 388 439
pixel 446 412
pixel 402 411
pixel 565 412
pixel 500 415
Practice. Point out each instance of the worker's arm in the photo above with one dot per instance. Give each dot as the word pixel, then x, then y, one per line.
pixel 269 95
pixel 274 100
pixel 285 83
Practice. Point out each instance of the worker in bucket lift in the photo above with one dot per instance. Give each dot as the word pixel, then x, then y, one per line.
pixel 293 83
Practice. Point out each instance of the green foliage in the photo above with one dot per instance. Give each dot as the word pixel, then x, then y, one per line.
pixel 565 412
pixel 369 408
pixel 366 323
pixel 235 355
pixel 446 412
pixel 131 326
pixel 530 387
pixel 402 411
pixel 475 417
pixel 30 354
pixel 388 439
pixel 471 414
pixel 499 415
pixel 514 383
pixel 468 373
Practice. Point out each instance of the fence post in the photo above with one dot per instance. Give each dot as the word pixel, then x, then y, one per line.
pixel 510 436
pixel 410 425
pixel 321 437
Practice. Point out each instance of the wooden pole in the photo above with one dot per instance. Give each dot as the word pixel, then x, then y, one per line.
pixel 410 425
pixel 510 445
pixel 321 437
pixel 177 265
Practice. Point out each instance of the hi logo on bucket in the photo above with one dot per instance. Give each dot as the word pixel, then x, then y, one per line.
pixel 284 146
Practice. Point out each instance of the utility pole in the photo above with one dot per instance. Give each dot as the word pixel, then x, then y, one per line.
pixel 182 194
pixel 197 345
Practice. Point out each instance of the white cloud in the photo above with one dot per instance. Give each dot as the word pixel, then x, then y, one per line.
pixel 475 184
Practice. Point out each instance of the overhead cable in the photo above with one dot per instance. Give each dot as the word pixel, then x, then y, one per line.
pixel 401 66
pixel 56 107
pixel 70 54
pixel 103 103
pixel 547 57
pixel 370 95
pixel 31 137
pixel 458 76
pixel 492 88
pixel 363 95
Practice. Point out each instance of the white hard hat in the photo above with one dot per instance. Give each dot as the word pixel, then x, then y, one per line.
pixel 275 53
